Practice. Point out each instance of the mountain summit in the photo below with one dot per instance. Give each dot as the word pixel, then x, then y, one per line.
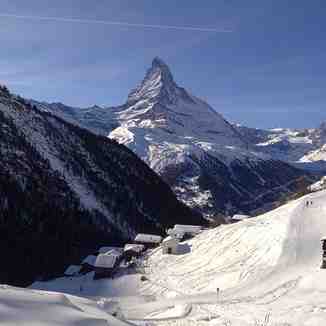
pixel 160 104
pixel 158 82
pixel 201 155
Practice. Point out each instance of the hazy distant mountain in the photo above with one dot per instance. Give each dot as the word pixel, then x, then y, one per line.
pixel 97 119
pixel 295 146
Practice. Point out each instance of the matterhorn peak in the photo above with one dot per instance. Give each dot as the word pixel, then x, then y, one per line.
pixel 158 65
pixel 158 62
pixel 158 83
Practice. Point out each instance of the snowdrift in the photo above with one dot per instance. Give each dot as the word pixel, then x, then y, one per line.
pixel 37 308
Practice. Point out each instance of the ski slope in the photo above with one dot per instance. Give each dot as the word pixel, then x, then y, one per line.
pixel 267 270
pixel 265 266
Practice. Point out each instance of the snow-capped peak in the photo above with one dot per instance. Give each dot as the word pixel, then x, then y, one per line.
pixel 158 83
pixel 160 110
pixel 158 62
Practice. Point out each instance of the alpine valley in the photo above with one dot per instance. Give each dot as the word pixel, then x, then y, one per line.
pixel 65 191
pixel 213 166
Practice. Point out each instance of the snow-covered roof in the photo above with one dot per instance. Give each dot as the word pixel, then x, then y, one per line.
pixel 72 269
pixel 117 252
pixel 105 260
pixel 187 228
pixel 240 217
pixel 134 247
pixel 148 238
pixel 104 250
pixel 90 260
pixel 174 231
pixel 170 239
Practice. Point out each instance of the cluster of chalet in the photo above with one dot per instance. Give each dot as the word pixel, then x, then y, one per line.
pixel 107 260
pixel 171 244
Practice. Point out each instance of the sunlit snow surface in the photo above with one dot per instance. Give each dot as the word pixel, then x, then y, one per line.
pixel 38 308
pixel 265 267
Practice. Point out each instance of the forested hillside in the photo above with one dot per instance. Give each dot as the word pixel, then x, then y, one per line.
pixel 64 191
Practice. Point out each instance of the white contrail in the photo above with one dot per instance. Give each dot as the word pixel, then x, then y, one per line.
pixel 118 23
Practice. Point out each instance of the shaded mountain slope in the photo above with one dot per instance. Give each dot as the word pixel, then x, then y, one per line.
pixel 64 190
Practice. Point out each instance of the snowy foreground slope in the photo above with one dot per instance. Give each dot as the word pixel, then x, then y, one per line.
pixel 267 268
pixel 38 308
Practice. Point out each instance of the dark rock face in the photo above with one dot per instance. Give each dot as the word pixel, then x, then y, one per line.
pixel 65 191
pixel 247 187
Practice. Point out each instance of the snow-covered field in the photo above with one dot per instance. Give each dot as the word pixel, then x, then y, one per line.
pixel 40 308
pixel 267 269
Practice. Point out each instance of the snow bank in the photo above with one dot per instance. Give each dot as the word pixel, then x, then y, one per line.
pixel 36 308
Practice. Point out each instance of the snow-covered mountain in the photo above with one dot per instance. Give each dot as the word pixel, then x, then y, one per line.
pixel 290 145
pixel 206 160
pixel 209 163
pixel 97 119
pixel 63 188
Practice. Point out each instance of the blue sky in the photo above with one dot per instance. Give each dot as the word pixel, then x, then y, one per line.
pixel 267 71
